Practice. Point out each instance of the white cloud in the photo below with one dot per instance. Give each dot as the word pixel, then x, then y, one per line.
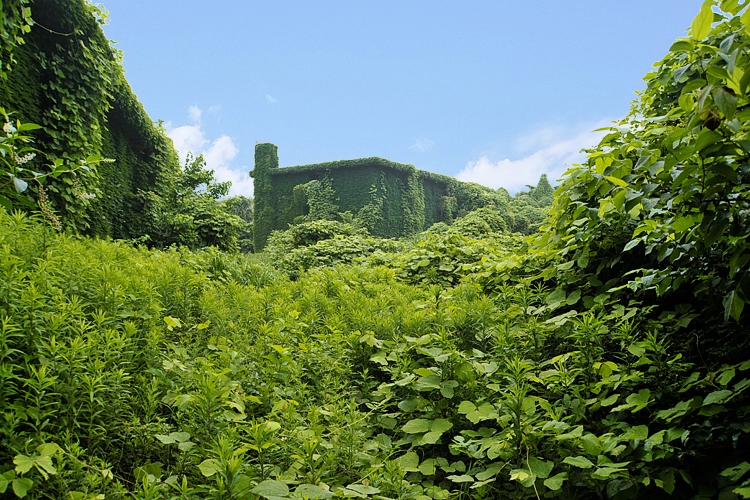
pixel 218 155
pixel 214 109
pixel 187 139
pixel 547 150
pixel 195 114
pixel 218 158
pixel 422 144
pixel 270 98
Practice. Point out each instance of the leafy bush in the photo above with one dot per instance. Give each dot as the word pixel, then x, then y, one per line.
pixel 242 207
pixel 191 214
pixel 570 364
pixel 660 206
pixel 480 222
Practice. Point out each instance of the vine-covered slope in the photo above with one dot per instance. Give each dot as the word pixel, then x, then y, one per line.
pixel 65 76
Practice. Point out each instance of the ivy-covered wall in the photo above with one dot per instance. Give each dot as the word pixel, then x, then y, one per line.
pixel 389 199
pixel 66 77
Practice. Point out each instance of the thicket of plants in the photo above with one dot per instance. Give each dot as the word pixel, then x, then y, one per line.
pixel 605 357
pixel 59 71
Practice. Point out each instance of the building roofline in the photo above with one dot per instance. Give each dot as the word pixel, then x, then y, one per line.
pixel 360 162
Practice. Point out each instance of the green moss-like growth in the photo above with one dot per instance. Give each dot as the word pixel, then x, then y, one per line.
pixel 67 77
pixel 389 199
pixel 264 215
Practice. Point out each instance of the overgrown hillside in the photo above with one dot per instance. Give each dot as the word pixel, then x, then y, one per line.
pixel 605 357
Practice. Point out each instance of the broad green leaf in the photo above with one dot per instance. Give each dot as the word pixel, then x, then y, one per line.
pixel 270 488
pixel 21 486
pixel 555 482
pixel 717 397
pixel 591 444
pixel 416 426
pixel 172 323
pixel 745 18
pixel 540 468
pixel 461 479
pixel 409 462
pixel 583 261
pixel 616 181
pixel 465 372
pixel 440 425
pixel 683 223
pixel 701 25
pixel 209 467
pixel 23 127
pixel 726 376
pixel 636 350
pixel 730 6
pixel 474 414
pixel 379 358
pixel 166 439
pixel 636 432
pixel 408 405
pixel 574 297
pixel 735 473
pixel 603 473
pixel 185 446
pixel 446 388
pixel 431 437
pixel 314 492
pixel 682 45
pixel 491 471
pixel 631 244
pixel 582 462
pixel 44 465
pixel 575 433
pixel 522 476
pixel 666 481
pixel 733 306
pixel 5 479
pixel 48 449
pixel 706 138
pixel 556 296
pixel 428 467
pixel 427 383
pixel 23 463
pixel 639 400
pixel 610 400
pixel 363 490
pixel 726 101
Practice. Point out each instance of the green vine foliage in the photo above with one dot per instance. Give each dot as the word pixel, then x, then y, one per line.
pixel 389 199
pixel 661 206
pixel 68 79
pixel 413 206
pixel 590 360
pixel 264 215
pixel 370 216
pixel 318 199
pixel 15 22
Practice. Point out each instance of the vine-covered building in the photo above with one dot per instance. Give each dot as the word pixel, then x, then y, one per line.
pixel 389 199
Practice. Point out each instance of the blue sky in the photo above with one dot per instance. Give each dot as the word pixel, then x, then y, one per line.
pixel 493 92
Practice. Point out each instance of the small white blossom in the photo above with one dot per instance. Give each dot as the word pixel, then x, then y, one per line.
pixel 8 128
pixel 25 158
